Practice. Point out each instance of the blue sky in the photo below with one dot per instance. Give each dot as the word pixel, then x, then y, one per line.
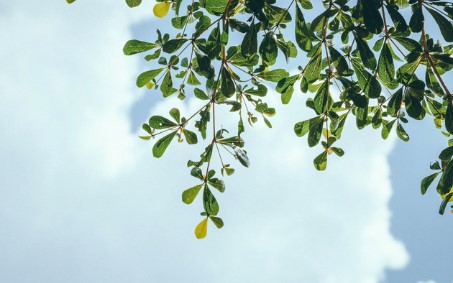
pixel 83 200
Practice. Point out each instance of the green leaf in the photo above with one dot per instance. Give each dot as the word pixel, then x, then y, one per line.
pixel 314 134
pixel 197 173
pixel 366 54
pixel 409 43
pixel 146 77
pixel 444 203
pixel 320 161
pixel 200 94
pixel 386 68
pixel 249 44
pixel 274 75
pixel 417 19
pixel 133 3
pixel 449 118
pixel 192 79
pixel 167 85
pixel 371 16
pixel 322 98
pixel 260 91
pixel 413 106
pixel 395 101
pixel 204 68
pixel 190 136
pixel 338 151
pixel 302 32
pixel 338 61
pixel 159 122
pixel 369 84
pixel 136 46
pixel 213 45
pixel 446 180
pixel 446 154
pixel 216 6
pixel 209 202
pixel 173 45
pixel 218 184
pixel 401 133
pixel 339 128
pixel 179 22
pixel 203 23
pixel 268 49
pixel 218 222
pixel 445 25
pixel 189 195
pixel 70 1
pixel 241 156
pixel 202 229
pixel 228 88
pixel 313 68
pixel 175 114
pixel 387 129
pixel 162 144
pixel 286 87
pixel 397 18
pixel 427 181
pixel 362 115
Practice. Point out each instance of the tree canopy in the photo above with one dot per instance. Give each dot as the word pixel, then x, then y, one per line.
pixel 371 62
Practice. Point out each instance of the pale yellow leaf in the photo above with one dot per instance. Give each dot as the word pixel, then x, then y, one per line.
pixel 202 229
pixel 161 9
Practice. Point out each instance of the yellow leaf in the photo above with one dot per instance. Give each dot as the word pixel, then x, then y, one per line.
pixel 161 9
pixel 202 229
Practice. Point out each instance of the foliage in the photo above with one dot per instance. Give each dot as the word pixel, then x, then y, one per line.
pixel 387 70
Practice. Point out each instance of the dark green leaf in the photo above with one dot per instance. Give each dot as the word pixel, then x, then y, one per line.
pixel 218 184
pixel 209 202
pixel 162 144
pixel 274 75
pixel 386 68
pixel 449 117
pixel 417 19
pixel 136 46
pixel 320 161
pixel 366 54
pixel 446 154
pixel 173 45
pixel 268 49
pixel 444 203
pixel 159 122
pixel 218 222
pixel 228 88
pixel 445 25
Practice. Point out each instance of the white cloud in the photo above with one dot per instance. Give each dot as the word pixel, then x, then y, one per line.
pixel 82 200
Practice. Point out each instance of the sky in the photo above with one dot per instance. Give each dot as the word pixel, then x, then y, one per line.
pixel 83 200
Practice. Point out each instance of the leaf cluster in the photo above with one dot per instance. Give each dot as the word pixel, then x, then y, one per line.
pixel 363 61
